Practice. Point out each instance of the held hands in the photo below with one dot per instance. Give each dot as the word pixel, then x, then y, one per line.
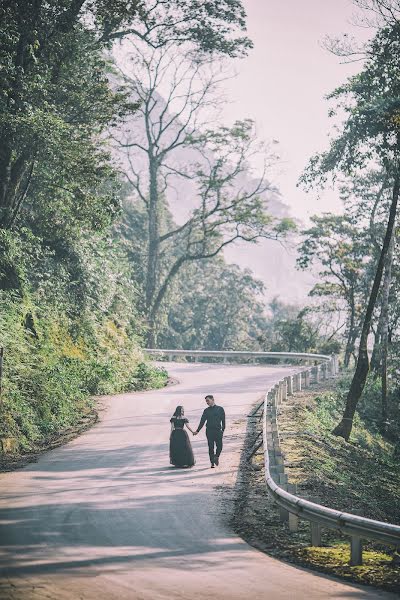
pixel 195 432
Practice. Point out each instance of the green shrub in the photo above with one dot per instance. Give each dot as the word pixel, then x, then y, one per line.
pixel 146 376
pixel 51 374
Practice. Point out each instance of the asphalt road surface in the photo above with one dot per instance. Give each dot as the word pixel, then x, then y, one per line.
pixel 106 517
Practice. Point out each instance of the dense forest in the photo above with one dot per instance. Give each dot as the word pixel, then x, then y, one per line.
pixel 110 112
pixel 356 253
pixel 93 267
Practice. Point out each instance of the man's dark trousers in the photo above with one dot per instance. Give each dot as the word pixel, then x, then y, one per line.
pixel 214 438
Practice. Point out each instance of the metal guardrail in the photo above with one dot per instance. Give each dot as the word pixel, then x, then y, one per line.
pixel 226 354
pixel 293 507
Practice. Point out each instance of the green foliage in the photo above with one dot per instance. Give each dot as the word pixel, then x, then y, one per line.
pixel 366 149
pixel 370 102
pixel 366 434
pixel 212 27
pixel 146 377
pixel 330 346
pixel 51 372
pixel 294 329
pixel 56 101
pixel 339 247
pixel 70 330
pixel 70 291
pixel 362 474
pixel 214 306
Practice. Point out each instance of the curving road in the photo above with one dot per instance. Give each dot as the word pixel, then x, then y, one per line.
pixel 105 517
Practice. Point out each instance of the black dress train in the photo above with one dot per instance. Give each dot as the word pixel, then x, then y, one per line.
pixel 180 448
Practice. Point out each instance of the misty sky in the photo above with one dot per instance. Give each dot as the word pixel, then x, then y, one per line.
pixel 282 84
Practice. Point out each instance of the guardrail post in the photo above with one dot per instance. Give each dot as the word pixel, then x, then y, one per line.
pixel 315 534
pixel 297 379
pixel 307 378
pixel 324 371
pixel 313 374
pixel 355 551
pixel 331 368
pixel 293 519
pixel 289 385
pixel 293 522
pixel 278 394
pixel 283 513
pixel 170 357
pixel 335 365
pixel 317 374
pixel 283 479
pixel 284 389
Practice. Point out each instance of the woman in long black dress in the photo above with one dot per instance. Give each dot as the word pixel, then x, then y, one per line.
pixel 180 448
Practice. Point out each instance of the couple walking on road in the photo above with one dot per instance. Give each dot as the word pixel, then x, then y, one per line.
pixel 180 448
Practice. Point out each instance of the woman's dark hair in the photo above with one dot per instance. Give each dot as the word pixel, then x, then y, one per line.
pixel 178 411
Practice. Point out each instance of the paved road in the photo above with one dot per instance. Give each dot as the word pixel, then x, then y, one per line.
pixel 106 518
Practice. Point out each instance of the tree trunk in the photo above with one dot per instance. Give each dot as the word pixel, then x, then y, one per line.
pixel 350 345
pixel 5 174
pixel 13 170
pixel 345 426
pixel 376 358
pixel 151 337
pixel 155 307
pixel 14 189
pixel 347 353
pixel 385 331
pixel 352 335
pixel 153 247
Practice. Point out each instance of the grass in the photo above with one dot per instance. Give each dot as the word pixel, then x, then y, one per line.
pixel 377 568
pixel 361 476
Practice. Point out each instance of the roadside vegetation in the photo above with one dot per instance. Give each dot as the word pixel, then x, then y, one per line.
pixel 355 255
pixel 74 308
pixel 108 111
pixel 360 477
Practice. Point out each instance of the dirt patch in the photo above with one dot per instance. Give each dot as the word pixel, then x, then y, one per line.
pixel 327 470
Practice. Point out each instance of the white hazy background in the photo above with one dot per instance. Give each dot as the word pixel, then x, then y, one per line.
pixel 282 84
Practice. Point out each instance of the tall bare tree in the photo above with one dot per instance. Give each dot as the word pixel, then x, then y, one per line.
pixel 173 139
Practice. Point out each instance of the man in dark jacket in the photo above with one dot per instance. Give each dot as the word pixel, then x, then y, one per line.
pixel 214 416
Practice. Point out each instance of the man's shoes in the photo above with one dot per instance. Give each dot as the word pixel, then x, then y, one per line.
pixel 217 460
pixel 213 466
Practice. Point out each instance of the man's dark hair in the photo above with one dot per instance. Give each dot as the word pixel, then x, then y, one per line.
pixel 209 397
